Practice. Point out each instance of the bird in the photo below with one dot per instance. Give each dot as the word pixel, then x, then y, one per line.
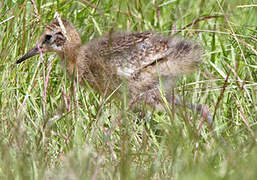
pixel 147 63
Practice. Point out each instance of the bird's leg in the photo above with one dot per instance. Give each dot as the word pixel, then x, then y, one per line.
pixel 205 115
pixel 197 108
pixel 153 99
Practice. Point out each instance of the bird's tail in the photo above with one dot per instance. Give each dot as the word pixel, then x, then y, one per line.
pixel 184 57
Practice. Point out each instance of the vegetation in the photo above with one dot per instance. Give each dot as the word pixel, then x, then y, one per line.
pixel 50 129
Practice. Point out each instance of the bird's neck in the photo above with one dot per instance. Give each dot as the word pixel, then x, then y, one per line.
pixel 69 58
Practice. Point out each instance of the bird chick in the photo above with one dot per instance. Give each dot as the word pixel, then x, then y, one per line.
pixel 146 62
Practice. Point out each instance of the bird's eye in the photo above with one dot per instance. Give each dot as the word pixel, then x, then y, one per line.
pixel 48 37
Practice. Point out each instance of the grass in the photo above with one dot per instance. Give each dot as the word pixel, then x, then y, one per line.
pixel 50 129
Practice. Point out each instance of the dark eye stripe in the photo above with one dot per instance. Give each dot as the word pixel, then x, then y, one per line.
pixel 59 41
pixel 59 33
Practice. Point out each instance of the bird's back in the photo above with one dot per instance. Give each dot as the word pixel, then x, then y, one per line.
pixel 139 58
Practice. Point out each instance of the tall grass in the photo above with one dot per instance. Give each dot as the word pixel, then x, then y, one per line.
pixel 52 128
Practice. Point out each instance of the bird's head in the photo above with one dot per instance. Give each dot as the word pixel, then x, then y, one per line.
pixel 58 36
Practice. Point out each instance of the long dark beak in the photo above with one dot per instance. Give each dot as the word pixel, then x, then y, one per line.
pixel 29 54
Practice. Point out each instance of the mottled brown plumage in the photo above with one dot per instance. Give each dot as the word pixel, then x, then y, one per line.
pixel 143 61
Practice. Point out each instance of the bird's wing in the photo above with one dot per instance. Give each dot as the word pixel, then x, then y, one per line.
pixel 131 52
